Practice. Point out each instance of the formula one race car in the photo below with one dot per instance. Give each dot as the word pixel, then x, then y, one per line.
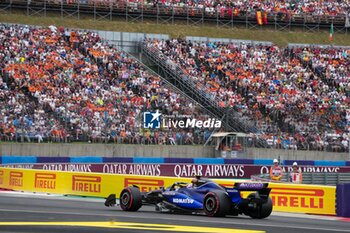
pixel 205 196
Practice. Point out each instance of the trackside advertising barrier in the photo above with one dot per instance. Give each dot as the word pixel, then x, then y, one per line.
pixel 231 171
pixel 78 183
pixel 313 199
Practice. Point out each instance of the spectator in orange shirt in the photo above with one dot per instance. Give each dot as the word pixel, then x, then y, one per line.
pixel 276 171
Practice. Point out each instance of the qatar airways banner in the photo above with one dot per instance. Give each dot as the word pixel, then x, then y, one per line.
pixel 175 170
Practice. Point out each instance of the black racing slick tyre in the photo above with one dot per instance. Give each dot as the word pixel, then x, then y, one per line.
pixel 216 204
pixel 266 209
pixel 130 199
pixel 263 211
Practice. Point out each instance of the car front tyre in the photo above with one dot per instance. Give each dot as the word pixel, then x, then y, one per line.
pixel 130 199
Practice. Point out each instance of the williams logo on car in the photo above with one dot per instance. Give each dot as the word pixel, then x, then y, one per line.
pixel 45 181
pixel 87 184
pixel 16 179
pixel 145 185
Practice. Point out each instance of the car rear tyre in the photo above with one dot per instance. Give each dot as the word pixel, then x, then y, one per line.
pixel 263 211
pixel 216 204
pixel 130 199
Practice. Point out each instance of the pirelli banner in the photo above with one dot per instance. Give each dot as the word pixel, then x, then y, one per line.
pixel 303 198
pixel 77 183
pixel 313 199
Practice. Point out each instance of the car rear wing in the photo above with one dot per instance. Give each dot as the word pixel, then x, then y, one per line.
pixel 246 186
pixel 263 190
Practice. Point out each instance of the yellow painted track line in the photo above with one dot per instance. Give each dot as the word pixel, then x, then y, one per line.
pixel 134 226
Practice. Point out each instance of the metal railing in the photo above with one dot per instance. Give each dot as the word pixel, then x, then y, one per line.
pixel 312 178
pixel 137 12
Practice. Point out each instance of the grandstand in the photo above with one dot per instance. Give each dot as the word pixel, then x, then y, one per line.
pixel 297 96
pixel 77 87
pixel 64 85
pixel 312 15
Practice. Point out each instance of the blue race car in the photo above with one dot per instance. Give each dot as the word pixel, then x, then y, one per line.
pixel 203 196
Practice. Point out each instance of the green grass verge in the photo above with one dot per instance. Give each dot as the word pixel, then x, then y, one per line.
pixel 181 30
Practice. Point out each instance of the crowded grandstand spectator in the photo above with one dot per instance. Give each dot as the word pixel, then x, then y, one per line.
pixel 21 119
pixel 61 85
pixel 92 91
pixel 294 107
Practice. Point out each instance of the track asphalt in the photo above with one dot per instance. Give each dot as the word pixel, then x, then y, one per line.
pixel 38 213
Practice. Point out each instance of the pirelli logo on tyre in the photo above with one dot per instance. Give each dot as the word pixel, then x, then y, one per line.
pixel 145 185
pixel 45 181
pixel 16 179
pixel 298 197
pixel 86 184
pixel 1 176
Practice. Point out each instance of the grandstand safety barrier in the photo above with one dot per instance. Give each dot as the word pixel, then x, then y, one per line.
pixel 298 45
pixel 321 178
pixel 227 40
pixel 132 12
pixel 312 199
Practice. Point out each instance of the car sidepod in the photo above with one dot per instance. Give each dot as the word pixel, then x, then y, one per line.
pixel 182 200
